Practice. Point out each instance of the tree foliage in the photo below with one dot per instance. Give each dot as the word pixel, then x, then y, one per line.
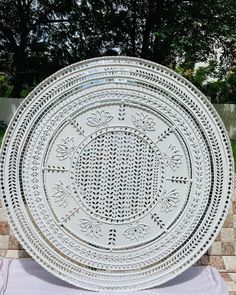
pixel 217 88
pixel 38 37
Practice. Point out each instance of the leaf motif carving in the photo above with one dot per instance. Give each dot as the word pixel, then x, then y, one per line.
pixel 65 149
pixel 143 122
pixel 136 231
pixel 173 157
pixel 99 119
pixel 62 194
pixel 90 227
pixel 169 200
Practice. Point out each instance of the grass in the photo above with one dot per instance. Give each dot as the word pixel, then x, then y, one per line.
pixel 233 144
pixel 1 136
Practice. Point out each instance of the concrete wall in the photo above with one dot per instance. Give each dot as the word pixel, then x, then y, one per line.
pixel 228 114
pixel 8 106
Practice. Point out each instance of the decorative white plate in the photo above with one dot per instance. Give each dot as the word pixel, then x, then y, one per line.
pixel 116 174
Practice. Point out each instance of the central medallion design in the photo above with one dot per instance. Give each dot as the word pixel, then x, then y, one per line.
pixel 116 174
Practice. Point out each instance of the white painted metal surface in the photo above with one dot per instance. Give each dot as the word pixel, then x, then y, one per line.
pixel 116 174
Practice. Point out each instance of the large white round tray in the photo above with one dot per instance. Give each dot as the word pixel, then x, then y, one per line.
pixel 116 174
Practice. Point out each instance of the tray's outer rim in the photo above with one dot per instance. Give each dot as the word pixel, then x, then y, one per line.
pixel 184 83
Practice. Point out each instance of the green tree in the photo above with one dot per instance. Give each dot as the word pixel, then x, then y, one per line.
pixel 25 26
pixel 5 87
pixel 37 37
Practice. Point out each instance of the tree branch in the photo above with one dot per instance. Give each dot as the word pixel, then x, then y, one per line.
pixel 8 35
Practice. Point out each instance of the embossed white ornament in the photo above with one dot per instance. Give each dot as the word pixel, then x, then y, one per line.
pixel 116 174
pixel 65 149
pixel 135 231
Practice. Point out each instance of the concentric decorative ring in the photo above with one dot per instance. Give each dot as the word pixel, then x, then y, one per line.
pixel 116 174
pixel 103 179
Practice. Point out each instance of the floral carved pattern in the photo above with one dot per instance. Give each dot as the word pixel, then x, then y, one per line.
pixel 62 194
pixel 143 122
pixel 136 231
pixel 99 119
pixel 169 200
pixel 65 149
pixel 90 227
pixel 173 157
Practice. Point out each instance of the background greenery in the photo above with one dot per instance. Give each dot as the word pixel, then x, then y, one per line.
pixel 38 37
pixel 1 136
pixel 233 144
pixel 2 131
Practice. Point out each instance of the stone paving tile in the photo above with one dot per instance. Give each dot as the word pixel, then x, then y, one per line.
pixel 230 280
pixel 4 239
pixel 4 228
pixel 16 254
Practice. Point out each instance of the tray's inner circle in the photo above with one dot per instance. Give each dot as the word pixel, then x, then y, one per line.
pixel 116 174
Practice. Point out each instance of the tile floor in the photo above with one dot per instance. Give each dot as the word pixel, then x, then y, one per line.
pixel 221 255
